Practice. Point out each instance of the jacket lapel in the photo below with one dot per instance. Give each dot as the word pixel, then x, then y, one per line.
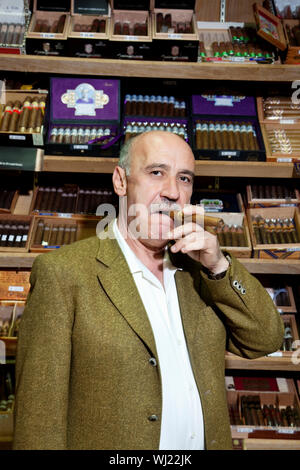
pixel 117 281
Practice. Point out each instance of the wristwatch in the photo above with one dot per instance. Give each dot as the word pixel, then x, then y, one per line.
pixel 217 277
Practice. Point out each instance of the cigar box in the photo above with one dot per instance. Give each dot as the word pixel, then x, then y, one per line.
pixel 14 285
pixel 282 297
pixel 48 28
pixel 10 315
pixel 51 232
pixel 88 34
pixel 26 131
pixel 263 407
pixel 13 239
pixel 84 117
pixel 55 201
pixel 272 196
pixel 8 200
pixel 229 121
pixel 174 31
pixel 289 250
pixel 227 33
pixel 133 127
pixel 14 22
pixel 130 30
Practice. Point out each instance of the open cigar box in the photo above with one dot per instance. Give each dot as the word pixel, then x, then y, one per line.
pixel 228 34
pixel 130 30
pixel 88 34
pixel 263 407
pixel 14 22
pixel 282 297
pixel 279 118
pixel 234 236
pixel 174 30
pixel 83 117
pixel 275 232
pixel 22 117
pixel 50 232
pixel 272 196
pixel 48 28
pixel 15 232
pixel 226 128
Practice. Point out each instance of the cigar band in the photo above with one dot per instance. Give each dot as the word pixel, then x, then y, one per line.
pixel 237 128
pixel 217 127
pixel 204 127
pixel 250 129
pixel 198 126
pixel 224 128
pixel 35 105
pixel 211 127
pixel 230 128
pixel 27 104
pixel 17 110
pixel 8 109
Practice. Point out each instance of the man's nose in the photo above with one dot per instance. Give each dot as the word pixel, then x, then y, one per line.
pixel 170 189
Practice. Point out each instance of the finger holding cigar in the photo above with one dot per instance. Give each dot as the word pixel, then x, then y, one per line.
pixel 193 237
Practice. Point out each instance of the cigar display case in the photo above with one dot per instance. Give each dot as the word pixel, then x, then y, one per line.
pixel 69 199
pixel 174 31
pixel 84 117
pixel 14 22
pixel 88 34
pixel 279 118
pixel 130 30
pixel 263 407
pixel 273 195
pixel 22 118
pixel 50 233
pixel 226 128
pixel 15 233
pixel 275 232
pixel 48 29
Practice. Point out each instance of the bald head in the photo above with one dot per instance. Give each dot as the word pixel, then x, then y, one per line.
pixel 137 146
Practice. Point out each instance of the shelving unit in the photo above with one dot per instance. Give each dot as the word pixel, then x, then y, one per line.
pixel 187 71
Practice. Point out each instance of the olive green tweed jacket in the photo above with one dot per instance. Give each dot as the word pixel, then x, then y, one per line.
pixel 83 376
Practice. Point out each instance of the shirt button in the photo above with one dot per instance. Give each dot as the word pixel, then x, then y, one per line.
pixel 153 418
pixel 152 361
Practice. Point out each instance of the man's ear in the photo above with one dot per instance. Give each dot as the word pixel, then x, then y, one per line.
pixel 119 181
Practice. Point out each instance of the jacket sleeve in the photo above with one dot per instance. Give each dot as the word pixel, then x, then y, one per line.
pixel 43 360
pixel 254 326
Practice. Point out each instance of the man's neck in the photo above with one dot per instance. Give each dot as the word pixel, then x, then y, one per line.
pixel 151 256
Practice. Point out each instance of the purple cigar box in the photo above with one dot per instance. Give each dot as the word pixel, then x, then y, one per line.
pixel 226 127
pixel 84 117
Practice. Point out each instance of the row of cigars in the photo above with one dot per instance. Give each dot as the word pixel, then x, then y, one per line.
pixel 218 127
pixel 269 227
pixel 147 30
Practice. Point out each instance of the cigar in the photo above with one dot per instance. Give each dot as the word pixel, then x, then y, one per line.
pixel 209 221
pixel 6 117
pixel 61 24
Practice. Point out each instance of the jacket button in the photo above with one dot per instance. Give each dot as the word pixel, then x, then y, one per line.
pixel 243 290
pixel 152 361
pixel 235 283
pixel 153 418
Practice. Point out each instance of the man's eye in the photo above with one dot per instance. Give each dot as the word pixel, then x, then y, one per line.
pixel 185 179
pixel 156 172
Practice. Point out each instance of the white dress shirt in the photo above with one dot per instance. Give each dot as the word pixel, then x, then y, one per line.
pixel 182 419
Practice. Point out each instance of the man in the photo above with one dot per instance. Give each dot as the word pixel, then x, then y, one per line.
pixel 123 339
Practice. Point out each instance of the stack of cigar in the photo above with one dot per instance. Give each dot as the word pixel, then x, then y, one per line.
pixel 274 191
pixel 81 135
pixel 12 34
pixel 230 135
pixel 145 105
pixel 165 24
pixel 89 199
pixel 97 26
pixel 231 235
pixel 23 117
pixel 134 128
pixel 254 414
pixel 7 396
pixel 127 28
pixel 274 231
pixel 56 199
pixel 284 141
pixel 55 233
pixel 45 26
pixel 6 197
pixel 13 234
pixel 280 107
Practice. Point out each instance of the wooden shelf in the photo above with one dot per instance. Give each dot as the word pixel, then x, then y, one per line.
pixel 17 260
pixel 263 363
pixel 203 168
pixel 143 68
